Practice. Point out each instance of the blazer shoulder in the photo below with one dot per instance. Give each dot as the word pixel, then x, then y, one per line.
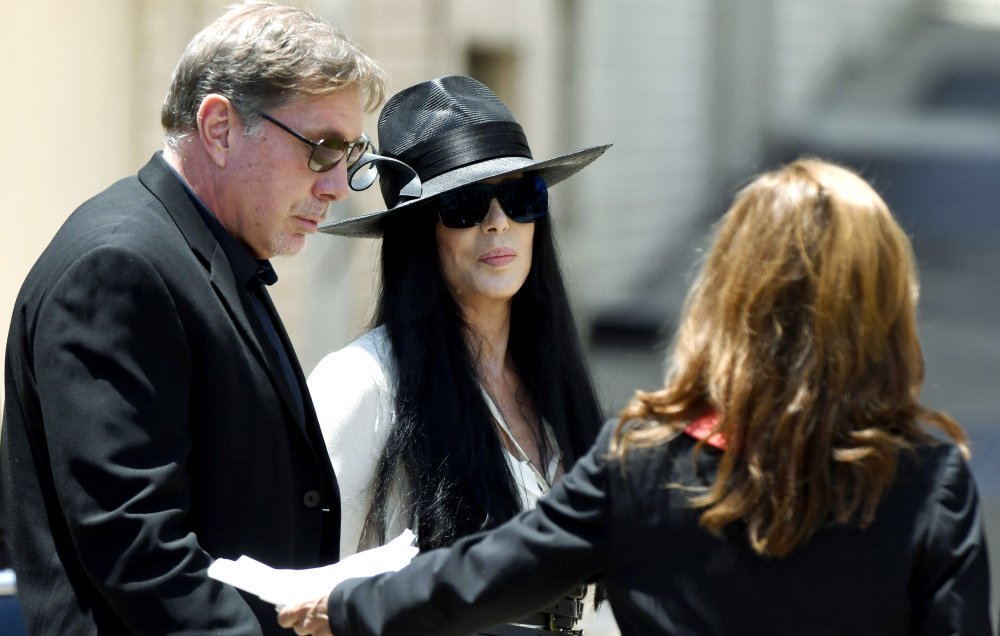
pixel 932 466
pixel 151 212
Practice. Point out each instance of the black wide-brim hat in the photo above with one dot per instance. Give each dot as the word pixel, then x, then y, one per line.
pixel 438 136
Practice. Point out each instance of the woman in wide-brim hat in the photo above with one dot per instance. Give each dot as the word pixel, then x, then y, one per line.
pixel 469 396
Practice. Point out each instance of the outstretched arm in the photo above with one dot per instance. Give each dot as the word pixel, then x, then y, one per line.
pixel 484 579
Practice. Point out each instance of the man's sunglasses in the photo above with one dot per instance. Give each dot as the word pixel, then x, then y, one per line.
pixel 327 153
pixel 523 200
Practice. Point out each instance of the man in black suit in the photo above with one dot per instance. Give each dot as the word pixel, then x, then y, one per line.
pixel 156 416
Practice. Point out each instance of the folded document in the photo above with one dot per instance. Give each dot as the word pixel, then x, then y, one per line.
pixel 286 587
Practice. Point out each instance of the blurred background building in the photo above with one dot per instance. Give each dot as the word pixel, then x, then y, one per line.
pixel 697 96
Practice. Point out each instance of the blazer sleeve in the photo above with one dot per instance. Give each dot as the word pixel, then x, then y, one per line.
pixel 492 577
pixel 113 370
pixel 353 404
pixel 951 585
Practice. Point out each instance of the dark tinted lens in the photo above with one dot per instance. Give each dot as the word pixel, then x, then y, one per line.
pixel 466 207
pixel 326 154
pixel 523 200
pixel 357 149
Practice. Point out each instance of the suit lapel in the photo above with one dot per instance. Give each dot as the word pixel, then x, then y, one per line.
pixel 165 186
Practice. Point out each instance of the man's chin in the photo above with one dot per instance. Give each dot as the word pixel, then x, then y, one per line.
pixel 289 245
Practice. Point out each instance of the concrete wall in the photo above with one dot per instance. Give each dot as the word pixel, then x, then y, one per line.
pixel 689 91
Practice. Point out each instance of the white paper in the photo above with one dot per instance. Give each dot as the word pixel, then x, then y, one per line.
pixel 8 583
pixel 285 587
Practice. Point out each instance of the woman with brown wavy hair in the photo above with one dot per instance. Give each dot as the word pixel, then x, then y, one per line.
pixel 799 348
pixel 781 482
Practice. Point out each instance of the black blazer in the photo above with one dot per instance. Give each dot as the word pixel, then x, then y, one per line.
pixel 919 568
pixel 148 429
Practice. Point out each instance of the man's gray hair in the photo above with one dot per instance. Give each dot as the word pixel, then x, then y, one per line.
pixel 263 56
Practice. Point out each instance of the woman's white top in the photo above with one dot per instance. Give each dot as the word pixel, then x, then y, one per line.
pixel 353 391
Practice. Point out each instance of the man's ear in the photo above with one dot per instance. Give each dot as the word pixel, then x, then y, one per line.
pixel 217 121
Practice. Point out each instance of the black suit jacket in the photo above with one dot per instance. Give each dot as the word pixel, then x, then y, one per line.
pixel 920 568
pixel 148 428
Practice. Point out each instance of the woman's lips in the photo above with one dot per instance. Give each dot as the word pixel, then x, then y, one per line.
pixel 498 257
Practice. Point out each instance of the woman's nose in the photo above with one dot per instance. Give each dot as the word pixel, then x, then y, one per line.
pixel 496 219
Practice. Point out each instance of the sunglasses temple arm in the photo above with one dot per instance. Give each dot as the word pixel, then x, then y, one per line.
pixel 359 180
pixel 413 188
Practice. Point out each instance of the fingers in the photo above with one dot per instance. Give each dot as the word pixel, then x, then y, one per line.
pixel 306 618
pixel 290 615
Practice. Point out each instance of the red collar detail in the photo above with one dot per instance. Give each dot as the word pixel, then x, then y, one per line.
pixel 702 427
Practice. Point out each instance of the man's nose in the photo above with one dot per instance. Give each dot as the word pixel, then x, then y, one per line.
pixel 332 185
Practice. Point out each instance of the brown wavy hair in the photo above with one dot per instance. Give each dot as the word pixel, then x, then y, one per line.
pixel 800 332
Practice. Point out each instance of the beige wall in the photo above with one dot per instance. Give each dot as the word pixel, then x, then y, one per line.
pixel 66 119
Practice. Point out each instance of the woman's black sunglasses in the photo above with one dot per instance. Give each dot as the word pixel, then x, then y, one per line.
pixel 523 200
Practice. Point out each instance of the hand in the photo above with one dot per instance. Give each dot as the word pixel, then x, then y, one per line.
pixel 306 618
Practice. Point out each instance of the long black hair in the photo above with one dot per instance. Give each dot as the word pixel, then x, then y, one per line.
pixel 443 454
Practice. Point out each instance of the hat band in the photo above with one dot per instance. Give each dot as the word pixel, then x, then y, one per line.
pixel 467 145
